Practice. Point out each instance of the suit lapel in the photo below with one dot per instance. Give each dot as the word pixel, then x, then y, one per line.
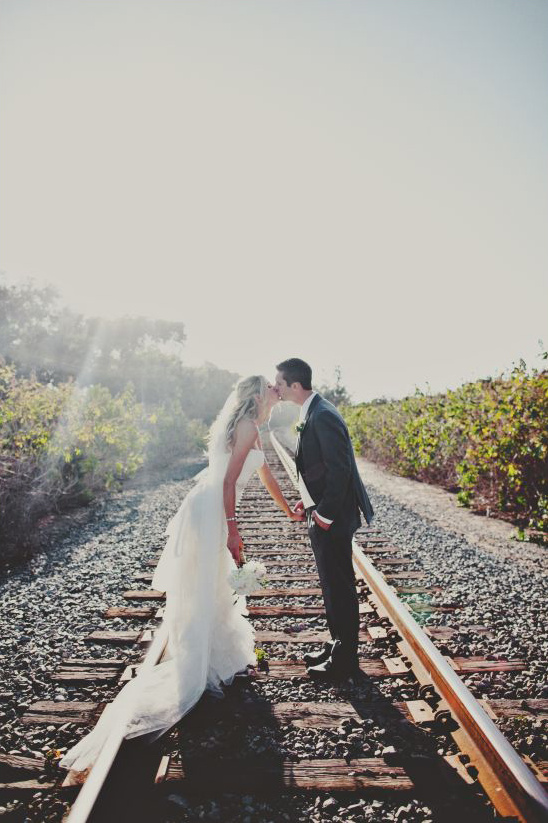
pixel 315 401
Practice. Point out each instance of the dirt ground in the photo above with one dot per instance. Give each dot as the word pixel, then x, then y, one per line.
pixel 441 507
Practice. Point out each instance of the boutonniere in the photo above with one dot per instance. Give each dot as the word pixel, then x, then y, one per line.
pixel 299 427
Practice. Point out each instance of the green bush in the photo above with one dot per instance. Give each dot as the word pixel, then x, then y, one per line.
pixel 171 435
pixel 487 440
pixel 62 445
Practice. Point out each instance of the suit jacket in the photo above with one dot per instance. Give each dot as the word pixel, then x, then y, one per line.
pixel 325 460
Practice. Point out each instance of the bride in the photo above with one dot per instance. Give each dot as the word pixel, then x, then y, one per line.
pixel 209 639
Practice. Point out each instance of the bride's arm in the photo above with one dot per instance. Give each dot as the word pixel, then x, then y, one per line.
pixel 245 436
pixel 271 484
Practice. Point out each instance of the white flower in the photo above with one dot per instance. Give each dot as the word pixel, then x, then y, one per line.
pixel 248 578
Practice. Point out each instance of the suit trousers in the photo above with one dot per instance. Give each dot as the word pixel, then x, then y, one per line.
pixel 333 554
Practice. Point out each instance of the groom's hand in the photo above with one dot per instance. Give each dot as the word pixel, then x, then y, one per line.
pixel 319 522
pixel 298 511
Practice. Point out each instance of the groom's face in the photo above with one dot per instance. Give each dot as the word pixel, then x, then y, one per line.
pixel 281 387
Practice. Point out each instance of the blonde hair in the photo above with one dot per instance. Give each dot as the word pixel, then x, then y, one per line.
pixel 246 404
pixel 242 403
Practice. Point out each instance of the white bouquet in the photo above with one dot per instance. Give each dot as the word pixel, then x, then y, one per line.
pixel 248 578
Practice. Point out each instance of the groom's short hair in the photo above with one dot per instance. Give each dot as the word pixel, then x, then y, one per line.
pixel 295 370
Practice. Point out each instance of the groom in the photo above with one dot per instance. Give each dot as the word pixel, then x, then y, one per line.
pixel 332 496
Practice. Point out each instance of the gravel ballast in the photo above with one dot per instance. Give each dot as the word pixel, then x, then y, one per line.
pixel 48 607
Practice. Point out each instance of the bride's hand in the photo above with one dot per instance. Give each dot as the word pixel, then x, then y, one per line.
pixel 235 545
pixel 297 512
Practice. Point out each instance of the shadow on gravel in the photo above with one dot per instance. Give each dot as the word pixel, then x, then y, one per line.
pixel 236 746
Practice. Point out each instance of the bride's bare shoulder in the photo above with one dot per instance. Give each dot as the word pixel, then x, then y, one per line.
pixel 245 432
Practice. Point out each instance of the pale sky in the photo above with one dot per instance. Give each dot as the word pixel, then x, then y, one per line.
pixel 360 183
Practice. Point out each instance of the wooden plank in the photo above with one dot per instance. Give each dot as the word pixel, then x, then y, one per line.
pixel 22 788
pixel 20 762
pixel 129 612
pixel 295 611
pixel 393 561
pixel 121 637
pixel 300 637
pixel 286 669
pixel 285 611
pixel 467 665
pixel 83 676
pixel 272 775
pixel 89 671
pixel 144 594
pixel 285 529
pixel 274 541
pixel 297 552
pixel 429 607
pixel 299 714
pixel 57 713
pixel 418 589
pixel 327 715
pixel 86 662
pixel 312 592
pixel 447 632
pixel 303 577
pixel 404 576
pixel 529 707
pixel 291 557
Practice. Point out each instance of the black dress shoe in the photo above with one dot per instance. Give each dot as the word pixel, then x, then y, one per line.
pixel 314 658
pixel 335 669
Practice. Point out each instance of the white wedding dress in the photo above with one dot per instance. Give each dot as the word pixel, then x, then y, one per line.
pixel 209 637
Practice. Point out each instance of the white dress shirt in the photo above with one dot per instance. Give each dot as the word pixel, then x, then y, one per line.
pixel 306 497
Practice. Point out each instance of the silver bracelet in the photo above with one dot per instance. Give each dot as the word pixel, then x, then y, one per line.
pixel 228 519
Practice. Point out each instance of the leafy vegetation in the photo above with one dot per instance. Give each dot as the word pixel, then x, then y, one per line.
pixel 85 402
pixel 487 440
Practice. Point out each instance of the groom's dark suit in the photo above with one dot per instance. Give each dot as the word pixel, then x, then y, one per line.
pixel 325 460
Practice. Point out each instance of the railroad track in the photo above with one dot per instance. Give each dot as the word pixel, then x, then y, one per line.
pixel 439 743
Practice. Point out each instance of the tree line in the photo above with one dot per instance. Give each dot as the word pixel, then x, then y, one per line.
pixel 85 402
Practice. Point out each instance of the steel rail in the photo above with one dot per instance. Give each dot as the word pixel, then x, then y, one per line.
pixel 88 795
pixel 509 783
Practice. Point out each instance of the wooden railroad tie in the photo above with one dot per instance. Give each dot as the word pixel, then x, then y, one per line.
pixel 121 637
pixel 144 594
pixel 296 611
pixel 24 788
pixel 390 667
pixel 110 671
pixel 263 774
pixel 57 713
pixel 312 592
pixel 130 612
pixel 93 670
pixel 302 715
pixel 318 611
pixel 301 636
